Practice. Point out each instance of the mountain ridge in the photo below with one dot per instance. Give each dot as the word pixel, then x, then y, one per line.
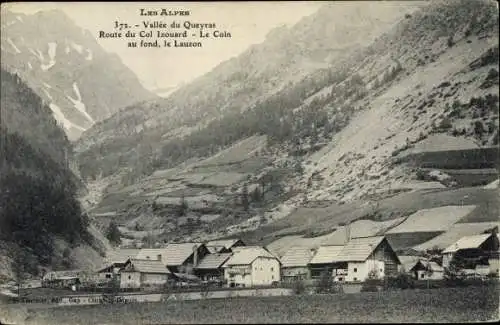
pixel 63 63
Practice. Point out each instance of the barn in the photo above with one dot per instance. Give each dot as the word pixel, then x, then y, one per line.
pixel 366 256
pixel 471 252
pixel 294 264
pixel 210 267
pixel 356 260
pixel 325 261
pixel 426 270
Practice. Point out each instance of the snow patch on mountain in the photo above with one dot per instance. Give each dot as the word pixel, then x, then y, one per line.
pixel 59 116
pixel 89 55
pixel 52 57
pixel 13 45
pixel 19 18
pixel 38 54
pixel 79 105
pixel 47 94
pixel 77 47
pixel 47 85
pixel 30 66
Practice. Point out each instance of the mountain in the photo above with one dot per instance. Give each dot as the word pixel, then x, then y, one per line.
pixel 40 216
pixel 67 68
pixel 285 57
pixel 372 126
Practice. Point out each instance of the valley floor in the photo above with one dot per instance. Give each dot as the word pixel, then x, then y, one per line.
pixel 473 303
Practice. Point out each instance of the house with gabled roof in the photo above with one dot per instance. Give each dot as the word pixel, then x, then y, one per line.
pixel 210 268
pixel 368 256
pixel 142 273
pixel 470 251
pixel 423 269
pixel 355 261
pixel 179 258
pixel 251 266
pixel 223 246
pixel 324 260
pixel 294 263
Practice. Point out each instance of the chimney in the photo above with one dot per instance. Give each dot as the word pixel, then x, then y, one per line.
pixel 195 255
pixel 347 232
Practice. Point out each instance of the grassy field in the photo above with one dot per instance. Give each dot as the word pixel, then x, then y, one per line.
pixel 474 303
pixel 328 218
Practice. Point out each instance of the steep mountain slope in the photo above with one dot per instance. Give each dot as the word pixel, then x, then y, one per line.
pixel 67 68
pixel 286 56
pixel 40 218
pixel 341 136
pixel 448 55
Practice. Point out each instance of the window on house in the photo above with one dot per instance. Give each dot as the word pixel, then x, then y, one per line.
pixel 129 277
pixel 272 277
pixel 355 269
pixel 108 276
pixel 422 276
pixel 355 279
pixel 272 269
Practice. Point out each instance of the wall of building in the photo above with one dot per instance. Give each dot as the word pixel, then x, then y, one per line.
pixel 151 279
pixel 288 273
pixel 447 259
pixel 494 265
pixel 358 271
pixel 385 253
pixel 422 275
pixel 130 280
pixel 215 274
pixel 265 271
pixel 104 276
pixel 238 275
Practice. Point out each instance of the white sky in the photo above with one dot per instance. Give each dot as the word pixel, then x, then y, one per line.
pixel 248 23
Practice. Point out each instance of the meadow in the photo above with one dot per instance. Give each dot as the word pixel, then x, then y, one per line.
pixel 465 304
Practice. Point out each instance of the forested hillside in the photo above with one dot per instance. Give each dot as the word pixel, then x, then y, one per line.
pixel 37 188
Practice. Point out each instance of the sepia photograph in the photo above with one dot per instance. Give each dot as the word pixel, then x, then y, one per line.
pixel 249 162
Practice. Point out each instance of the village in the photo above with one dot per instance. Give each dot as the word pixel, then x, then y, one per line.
pixel 229 264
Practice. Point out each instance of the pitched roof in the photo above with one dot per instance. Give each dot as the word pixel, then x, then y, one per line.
pixel 213 261
pixel 150 253
pixel 176 254
pixel 172 255
pixel 121 255
pixel 467 242
pixel 247 254
pixel 409 261
pixel 148 266
pixel 359 249
pixel 456 232
pixel 436 267
pixel 226 243
pixel 296 256
pixel 433 266
pixel 326 254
